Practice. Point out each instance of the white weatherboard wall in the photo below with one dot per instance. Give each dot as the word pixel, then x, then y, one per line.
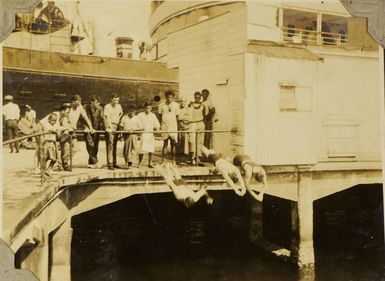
pixel 262 22
pixel 349 119
pixel 274 137
pixel 209 54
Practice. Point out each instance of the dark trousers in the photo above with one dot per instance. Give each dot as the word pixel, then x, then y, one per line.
pixel 12 133
pixel 65 151
pixel 92 144
pixel 208 140
pixel 111 143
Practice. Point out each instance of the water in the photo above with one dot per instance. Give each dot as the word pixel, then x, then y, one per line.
pixel 153 237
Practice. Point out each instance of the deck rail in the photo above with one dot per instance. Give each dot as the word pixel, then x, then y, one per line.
pixel 40 141
pixel 313 37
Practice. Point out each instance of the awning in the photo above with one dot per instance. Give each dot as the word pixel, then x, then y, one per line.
pixel 280 51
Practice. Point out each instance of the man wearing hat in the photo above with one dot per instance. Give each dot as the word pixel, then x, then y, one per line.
pixel 11 115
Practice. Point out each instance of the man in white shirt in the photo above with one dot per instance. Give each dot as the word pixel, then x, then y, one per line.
pixel 11 115
pixel 76 111
pixel 112 114
pixel 168 112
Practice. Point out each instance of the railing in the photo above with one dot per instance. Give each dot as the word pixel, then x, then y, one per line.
pixel 40 142
pixel 313 37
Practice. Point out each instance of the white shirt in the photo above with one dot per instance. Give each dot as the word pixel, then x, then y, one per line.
pixel 130 123
pixel 148 121
pixel 30 115
pixel 74 115
pixel 169 113
pixel 47 127
pixel 113 114
pixel 11 111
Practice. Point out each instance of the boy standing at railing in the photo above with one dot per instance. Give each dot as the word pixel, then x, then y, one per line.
pixel 147 140
pixel 168 113
pixel 132 124
pixel 65 136
pixel 198 113
pixel 49 142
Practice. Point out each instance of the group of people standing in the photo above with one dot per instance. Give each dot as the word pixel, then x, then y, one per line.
pixel 107 120
pixel 192 117
pixel 138 129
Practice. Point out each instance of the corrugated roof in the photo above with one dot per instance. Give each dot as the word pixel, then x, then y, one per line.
pixel 279 51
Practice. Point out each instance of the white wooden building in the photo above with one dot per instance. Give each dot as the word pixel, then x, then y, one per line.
pixel 299 81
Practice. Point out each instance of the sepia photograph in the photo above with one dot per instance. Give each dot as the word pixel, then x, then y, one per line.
pixel 192 140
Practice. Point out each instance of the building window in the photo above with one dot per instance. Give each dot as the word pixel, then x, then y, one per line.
pixel 295 98
pixel 300 27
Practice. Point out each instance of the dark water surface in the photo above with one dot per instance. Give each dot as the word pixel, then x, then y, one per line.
pixel 153 237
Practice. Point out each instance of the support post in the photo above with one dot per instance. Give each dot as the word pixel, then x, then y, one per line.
pixel 61 253
pixel 302 249
pixel 256 224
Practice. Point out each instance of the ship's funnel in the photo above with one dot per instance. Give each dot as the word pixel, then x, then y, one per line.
pixel 124 47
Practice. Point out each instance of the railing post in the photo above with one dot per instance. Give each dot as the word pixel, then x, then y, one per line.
pixel 70 152
pixel 196 148
pixel 40 140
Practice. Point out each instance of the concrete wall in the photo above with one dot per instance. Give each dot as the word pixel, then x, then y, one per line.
pixel 209 55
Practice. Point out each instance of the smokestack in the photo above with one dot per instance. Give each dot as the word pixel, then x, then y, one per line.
pixel 124 47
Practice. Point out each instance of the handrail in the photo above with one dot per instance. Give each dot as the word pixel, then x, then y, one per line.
pixel 26 137
pixel 234 130
pixel 315 37
pixel 41 150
